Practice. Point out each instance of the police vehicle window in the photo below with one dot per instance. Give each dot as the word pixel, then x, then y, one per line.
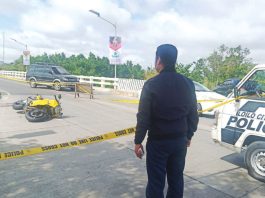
pixel 254 88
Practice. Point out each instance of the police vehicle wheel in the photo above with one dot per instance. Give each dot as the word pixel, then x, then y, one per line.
pixel 255 160
pixel 57 86
pixel 33 83
pixel 199 108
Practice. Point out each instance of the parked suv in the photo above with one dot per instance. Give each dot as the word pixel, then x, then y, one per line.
pixel 51 76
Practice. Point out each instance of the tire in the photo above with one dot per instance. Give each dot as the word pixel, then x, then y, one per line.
pixel 19 105
pixel 33 83
pixel 199 108
pixel 57 86
pixel 255 160
pixel 36 115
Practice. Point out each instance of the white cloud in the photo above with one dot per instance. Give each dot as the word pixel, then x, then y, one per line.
pixel 195 27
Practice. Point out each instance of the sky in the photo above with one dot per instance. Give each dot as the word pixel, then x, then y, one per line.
pixel 195 27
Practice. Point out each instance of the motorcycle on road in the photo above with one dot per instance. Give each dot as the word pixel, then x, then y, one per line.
pixel 39 109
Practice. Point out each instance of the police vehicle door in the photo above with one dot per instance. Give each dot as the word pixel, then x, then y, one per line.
pixel 246 115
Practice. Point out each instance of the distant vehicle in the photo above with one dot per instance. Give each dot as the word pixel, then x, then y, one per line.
pixel 206 98
pixel 56 76
pixel 227 86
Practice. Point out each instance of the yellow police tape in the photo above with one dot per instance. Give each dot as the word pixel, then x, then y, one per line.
pixel 221 104
pixel 84 141
pixel 137 101
pixel 10 78
pixel 55 147
pixel 199 101
pixel 217 100
pixel 68 83
pixel 127 101
pixel 204 110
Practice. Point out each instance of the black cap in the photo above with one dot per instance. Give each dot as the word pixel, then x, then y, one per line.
pixel 168 55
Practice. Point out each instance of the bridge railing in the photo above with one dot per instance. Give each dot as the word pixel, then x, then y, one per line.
pixel 14 74
pixel 124 85
pixel 102 82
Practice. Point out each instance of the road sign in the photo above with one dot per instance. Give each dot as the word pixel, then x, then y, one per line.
pixel 115 50
pixel 26 57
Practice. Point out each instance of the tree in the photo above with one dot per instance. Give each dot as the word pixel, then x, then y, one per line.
pixel 183 69
pixel 228 63
pixel 199 71
pixel 88 66
pixel 150 73
pixel 221 64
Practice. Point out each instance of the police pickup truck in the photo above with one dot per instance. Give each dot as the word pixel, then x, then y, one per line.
pixel 241 121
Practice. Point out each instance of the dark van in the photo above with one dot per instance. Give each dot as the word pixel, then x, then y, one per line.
pixel 51 76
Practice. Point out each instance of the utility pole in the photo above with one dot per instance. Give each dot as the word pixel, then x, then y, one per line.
pixel 3 47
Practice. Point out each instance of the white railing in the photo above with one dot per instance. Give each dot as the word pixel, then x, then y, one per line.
pixel 130 84
pixel 99 81
pixel 127 85
pixel 14 74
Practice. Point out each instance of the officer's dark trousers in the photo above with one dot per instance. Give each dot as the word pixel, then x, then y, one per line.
pixel 165 158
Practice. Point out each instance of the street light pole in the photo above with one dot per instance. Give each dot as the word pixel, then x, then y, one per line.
pixel 25 45
pixel 115 29
pixel 26 51
pixel 3 47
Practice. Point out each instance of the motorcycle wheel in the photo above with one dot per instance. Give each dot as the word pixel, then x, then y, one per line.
pixel 36 115
pixel 19 105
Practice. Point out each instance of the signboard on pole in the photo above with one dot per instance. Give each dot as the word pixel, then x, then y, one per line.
pixel 26 57
pixel 115 50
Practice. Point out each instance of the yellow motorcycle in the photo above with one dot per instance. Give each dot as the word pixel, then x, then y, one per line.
pixel 40 109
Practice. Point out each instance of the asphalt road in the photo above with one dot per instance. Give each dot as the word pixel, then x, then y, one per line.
pixel 108 169
pixel 19 88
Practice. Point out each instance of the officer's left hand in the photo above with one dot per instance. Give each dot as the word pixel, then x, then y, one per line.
pixel 188 143
pixel 139 150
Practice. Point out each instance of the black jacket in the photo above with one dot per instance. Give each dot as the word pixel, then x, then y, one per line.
pixel 167 109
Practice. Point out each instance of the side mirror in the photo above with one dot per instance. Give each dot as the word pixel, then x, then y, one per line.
pixel 236 94
pixel 59 96
pixel 50 72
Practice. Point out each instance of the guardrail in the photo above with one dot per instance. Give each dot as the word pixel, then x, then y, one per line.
pixel 14 74
pixel 125 85
pixel 102 82
pixel 96 81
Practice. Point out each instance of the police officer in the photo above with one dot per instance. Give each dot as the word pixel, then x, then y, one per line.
pixel 168 111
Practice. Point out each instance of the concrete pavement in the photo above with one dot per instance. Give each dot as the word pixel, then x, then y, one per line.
pixel 108 169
